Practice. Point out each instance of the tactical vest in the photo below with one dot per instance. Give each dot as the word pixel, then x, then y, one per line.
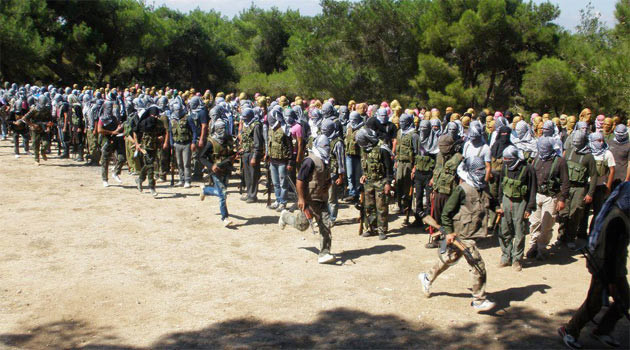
pixel 514 188
pixel 352 148
pixel 578 173
pixel 602 168
pixel 181 131
pixel 496 164
pixel 471 220
pixel 404 147
pixel 247 136
pixel 280 145
pixel 372 163
pixel 76 119
pixel 444 176
pixel 334 164
pixel 549 187
pixel 318 184
pixel 219 152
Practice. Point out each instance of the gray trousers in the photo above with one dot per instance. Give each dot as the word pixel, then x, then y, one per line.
pixel 252 175
pixel 113 145
pixel 183 155
pixel 512 235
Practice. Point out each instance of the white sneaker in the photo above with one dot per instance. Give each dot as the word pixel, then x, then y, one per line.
pixel 274 205
pixel 281 221
pixel 426 284
pixel 181 184
pixel 187 185
pixel 105 184
pixel 326 258
pixel 227 222
pixel 17 156
pixel 117 178
pixel 202 195
pixel 483 306
pixel 154 192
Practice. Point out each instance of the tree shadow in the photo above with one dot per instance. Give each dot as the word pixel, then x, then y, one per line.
pixel 520 328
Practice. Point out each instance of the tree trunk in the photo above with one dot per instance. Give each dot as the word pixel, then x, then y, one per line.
pixel 490 87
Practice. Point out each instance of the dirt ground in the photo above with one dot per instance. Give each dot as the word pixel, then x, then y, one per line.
pixel 82 266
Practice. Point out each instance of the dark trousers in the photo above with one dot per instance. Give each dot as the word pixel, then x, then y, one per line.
pixel 422 196
pixel 251 174
pixel 438 205
pixel 593 304
pixel 16 141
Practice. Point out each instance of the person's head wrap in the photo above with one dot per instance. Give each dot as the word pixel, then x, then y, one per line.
pixel 425 128
pixel 503 140
pixel 42 102
pixel 382 115
pixel 548 128
pixel 355 121
pixel 475 131
pixel 512 157
pixel 406 123
pixel 290 118
pixel 328 110
pixel 248 115
pixel 275 118
pixel 177 110
pixel 299 113
pixel 546 148
pixel 436 125
pixel 195 103
pixel 500 122
pixel 621 134
pixel 563 120
pixel 344 113
pixel 329 128
pixel 446 144
pixel 579 140
pixel 582 125
pixel 316 115
pixel 597 144
pixel 522 130
pixel 453 129
pixel 321 148
pixel 366 138
pixel 73 99
pixel 473 172
pixel 219 130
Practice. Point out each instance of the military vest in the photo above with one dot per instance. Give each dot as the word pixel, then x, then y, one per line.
pixel 372 163
pixel 578 173
pixel 471 220
pixel 219 152
pixel 333 163
pixel 404 147
pixel 551 186
pixel 496 164
pixel 352 148
pixel 318 184
pixel 181 131
pixel 445 174
pixel 76 118
pixel 514 188
pixel 280 145
pixel 247 136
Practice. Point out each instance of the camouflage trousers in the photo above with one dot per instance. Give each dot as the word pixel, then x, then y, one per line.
pixel 132 162
pixel 478 277
pixel 376 205
pixel 94 146
pixel 321 216
pixel 40 142
pixel 112 145
pixel 148 167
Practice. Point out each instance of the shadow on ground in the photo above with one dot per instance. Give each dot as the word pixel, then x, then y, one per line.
pixel 520 328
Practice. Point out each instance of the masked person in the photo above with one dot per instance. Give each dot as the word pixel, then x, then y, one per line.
pixel 63 114
pixel 183 131
pixel 476 146
pixel 605 164
pixel 620 148
pixel 464 217
pixel 198 113
pixel 313 182
pixel 518 200
pixel 376 161
pixel 217 156
pixel 111 130
pixel 252 148
pixel 150 136
pixel 18 107
pixel 582 167
pixel 336 165
pixel 280 153
pixel 425 152
pixel 525 141
pixel 607 262
pixel 552 191
pixel 445 178
pixel 77 126
pixel 406 145
pixel 39 119
pixel 454 131
pixel 92 136
pixel 353 156
pixel 295 131
pixel 164 155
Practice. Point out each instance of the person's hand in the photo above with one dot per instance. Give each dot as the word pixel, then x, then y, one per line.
pixel 413 172
pixel 431 182
pixel 526 215
pixel 289 168
pixel 302 205
pixel 79 130
pixel 559 205
pixel 193 147
pixel 137 147
pixel 450 238
pixel 387 189
pixel 362 180
pixel 200 144
pixel 215 169
pixel 64 129
pixel 608 190
pixel 165 146
pixel 499 211
pixel 252 162
pixel 588 199
pixel 339 181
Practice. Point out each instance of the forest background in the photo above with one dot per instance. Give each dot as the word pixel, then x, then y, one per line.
pixel 502 54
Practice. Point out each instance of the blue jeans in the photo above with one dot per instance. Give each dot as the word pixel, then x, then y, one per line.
pixel 354 173
pixel 278 176
pixel 220 191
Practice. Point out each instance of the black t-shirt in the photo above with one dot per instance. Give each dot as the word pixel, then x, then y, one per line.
pixel 306 170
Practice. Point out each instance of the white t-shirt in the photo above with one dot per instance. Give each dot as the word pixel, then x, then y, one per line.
pixel 608 158
pixel 482 152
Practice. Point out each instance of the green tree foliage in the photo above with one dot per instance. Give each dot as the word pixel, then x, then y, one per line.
pixel 459 53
